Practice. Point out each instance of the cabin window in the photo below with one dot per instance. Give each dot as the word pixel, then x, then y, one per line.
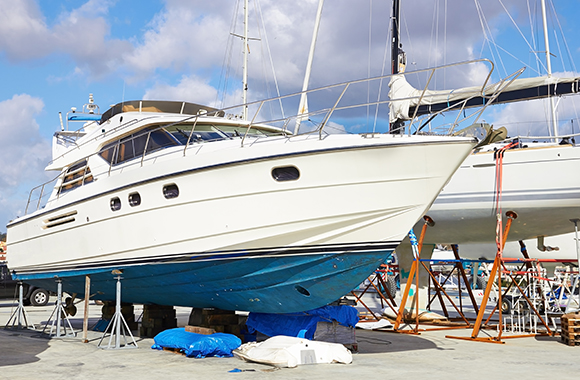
pixel 134 199
pixel 77 175
pixel 134 146
pixel 201 133
pixel 285 173
pixel 170 191
pixel 115 204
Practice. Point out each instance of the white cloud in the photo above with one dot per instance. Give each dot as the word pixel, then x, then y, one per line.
pixel 82 33
pixel 191 89
pixel 23 155
pixel 181 38
pixel 23 31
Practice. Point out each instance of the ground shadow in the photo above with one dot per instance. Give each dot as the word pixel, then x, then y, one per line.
pixel 375 342
pixel 21 346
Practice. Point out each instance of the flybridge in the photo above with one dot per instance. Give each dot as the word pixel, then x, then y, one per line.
pixel 162 106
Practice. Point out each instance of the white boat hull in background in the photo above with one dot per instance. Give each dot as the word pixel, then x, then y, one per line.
pixel 539 184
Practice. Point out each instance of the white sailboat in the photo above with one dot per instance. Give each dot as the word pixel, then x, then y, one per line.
pixel 538 180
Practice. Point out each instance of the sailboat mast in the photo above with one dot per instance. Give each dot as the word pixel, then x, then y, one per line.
pixel 396 127
pixel 395 37
pixel 245 64
pixel 549 68
pixel 303 105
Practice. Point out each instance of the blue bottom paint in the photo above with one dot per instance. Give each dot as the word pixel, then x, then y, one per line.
pixel 283 284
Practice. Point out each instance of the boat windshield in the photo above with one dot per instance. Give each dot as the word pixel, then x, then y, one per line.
pixel 160 136
pixel 213 132
pixel 145 141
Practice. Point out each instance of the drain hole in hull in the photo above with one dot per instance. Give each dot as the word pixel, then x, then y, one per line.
pixel 302 290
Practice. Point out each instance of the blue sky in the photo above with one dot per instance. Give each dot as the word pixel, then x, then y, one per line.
pixel 53 53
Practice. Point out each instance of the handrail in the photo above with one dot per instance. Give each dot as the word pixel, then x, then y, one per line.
pixel 41 186
pixel 342 102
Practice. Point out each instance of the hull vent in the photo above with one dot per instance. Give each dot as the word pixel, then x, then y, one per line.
pixel 69 217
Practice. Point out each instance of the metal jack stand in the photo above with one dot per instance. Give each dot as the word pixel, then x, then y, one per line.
pixel 118 325
pixel 60 316
pixel 19 314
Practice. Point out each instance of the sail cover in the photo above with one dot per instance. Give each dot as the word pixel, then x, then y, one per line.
pixel 407 101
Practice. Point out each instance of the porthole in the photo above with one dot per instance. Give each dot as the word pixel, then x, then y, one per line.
pixel 170 191
pixel 134 199
pixel 285 173
pixel 115 204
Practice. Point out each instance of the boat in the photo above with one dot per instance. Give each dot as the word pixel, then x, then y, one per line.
pixel 551 251
pixel 535 180
pixel 194 206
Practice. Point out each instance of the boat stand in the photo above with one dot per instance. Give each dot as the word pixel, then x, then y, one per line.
pixel 413 274
pixel 388 300
pixel 118 326
pixel 19 316
pixel 60 316
pixel 496 270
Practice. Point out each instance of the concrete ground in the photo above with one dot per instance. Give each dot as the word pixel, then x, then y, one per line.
pixel 28 354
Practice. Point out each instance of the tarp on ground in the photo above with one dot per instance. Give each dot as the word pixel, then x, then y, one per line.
pixel 293 323
pixel 286 351
pixel 197 345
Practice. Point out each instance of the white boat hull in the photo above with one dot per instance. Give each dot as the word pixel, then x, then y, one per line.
pixel 354 196
pixel 539 184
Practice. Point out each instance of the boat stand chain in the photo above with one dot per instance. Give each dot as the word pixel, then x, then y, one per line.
pixel 118 325
pixel 60 316
pixel 19 316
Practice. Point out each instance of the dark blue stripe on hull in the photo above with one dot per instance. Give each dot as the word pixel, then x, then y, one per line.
pixel 264 284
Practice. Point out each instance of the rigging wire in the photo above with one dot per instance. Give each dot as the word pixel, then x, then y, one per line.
pixel 385 58
pixel 565 42
pixel 522 34
pixel 572 64
pixel 227 61
pixel 488 38
pixel 369 61
pixel 271 61
pixel 445 42
pixel 532 33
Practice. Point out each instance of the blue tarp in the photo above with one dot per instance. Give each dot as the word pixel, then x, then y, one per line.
pixel 292 324
pixel 197 345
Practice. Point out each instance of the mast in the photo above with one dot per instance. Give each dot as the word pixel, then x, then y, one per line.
pixel 395 37
pixel 549 68
pixel 303 106
pixel 245 64
pixel 397 57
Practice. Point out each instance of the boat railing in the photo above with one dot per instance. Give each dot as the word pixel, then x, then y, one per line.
pixel 79 133
pixel 344 93
pixel 488 92
pixel 342 101
pixel 40 189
